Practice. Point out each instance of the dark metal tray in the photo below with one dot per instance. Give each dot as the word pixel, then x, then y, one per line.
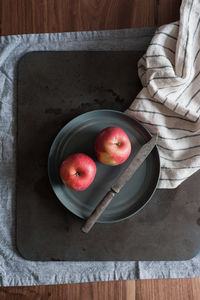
pixel 53 88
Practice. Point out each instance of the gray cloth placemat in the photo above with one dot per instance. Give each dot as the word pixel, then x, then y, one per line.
pixel 14 270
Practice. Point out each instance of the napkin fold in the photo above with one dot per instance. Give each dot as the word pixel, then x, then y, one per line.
pixel 169 103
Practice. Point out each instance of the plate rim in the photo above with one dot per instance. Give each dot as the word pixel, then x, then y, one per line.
pixel 112 111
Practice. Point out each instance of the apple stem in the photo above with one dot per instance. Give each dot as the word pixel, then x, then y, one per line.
pixel 77 174
pixel 118 143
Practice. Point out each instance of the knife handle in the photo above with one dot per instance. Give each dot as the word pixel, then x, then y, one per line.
pixel 98 211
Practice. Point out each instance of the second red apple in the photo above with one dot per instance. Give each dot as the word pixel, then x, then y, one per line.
pixel 77 171
pixel 112 146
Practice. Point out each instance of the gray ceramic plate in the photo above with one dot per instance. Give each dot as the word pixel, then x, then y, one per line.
pixel 79 136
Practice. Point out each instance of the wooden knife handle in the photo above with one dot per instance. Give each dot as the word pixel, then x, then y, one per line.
pixel 98 211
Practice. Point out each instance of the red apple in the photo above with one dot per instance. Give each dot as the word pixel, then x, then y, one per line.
pixel 112 146
pixel 77 171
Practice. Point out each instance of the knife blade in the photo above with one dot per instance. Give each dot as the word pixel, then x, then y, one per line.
pixel 136 162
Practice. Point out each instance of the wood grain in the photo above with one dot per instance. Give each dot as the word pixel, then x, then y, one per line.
pixel 115 290
pixel 35 16
pixel 168 289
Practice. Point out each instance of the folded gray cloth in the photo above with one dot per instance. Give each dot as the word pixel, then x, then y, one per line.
pixel 169 103
pixel 14 270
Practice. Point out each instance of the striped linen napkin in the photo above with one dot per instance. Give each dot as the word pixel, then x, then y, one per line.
pixel 169 103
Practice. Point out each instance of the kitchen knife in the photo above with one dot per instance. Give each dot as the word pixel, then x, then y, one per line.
pixel 136 162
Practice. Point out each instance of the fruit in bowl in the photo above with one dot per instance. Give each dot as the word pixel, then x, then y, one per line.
pixel 112 146
pixel 78 171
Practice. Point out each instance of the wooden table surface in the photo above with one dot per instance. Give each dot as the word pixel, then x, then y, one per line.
pixel 35 16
